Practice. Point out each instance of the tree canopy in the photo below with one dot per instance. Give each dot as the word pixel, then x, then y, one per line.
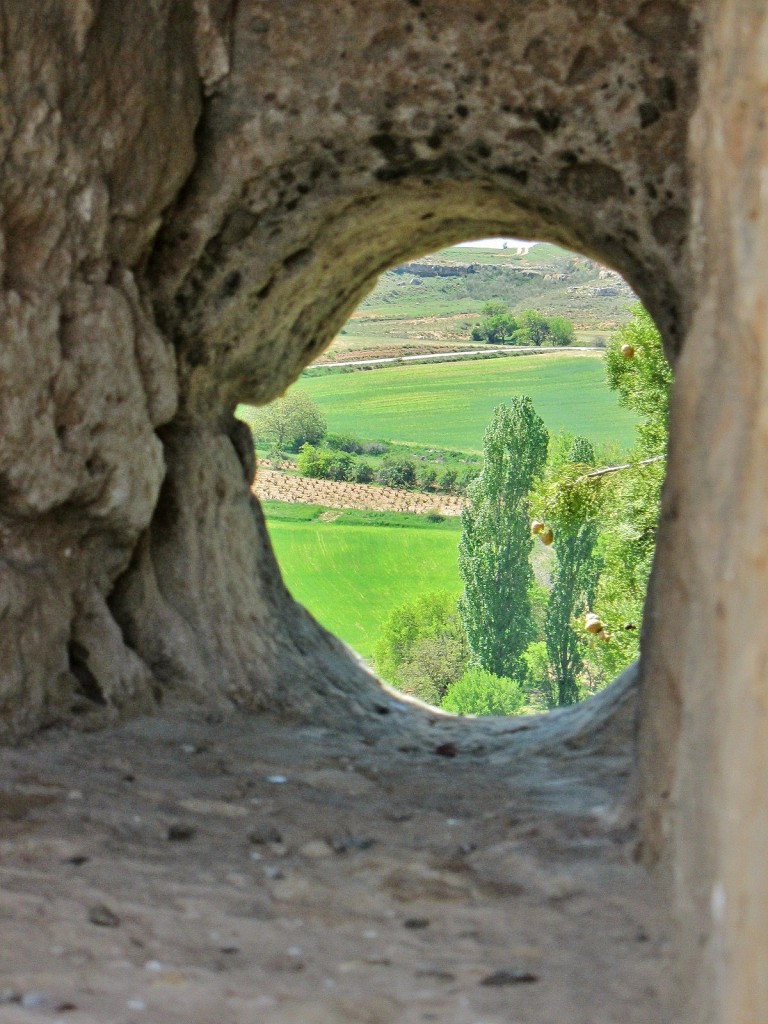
pixel 495 545
pixel 289 422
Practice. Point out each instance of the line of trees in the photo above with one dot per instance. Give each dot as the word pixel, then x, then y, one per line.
pixel 499 326
pixel 526 647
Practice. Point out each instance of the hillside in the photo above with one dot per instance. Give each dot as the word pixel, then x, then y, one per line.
pixel 432 303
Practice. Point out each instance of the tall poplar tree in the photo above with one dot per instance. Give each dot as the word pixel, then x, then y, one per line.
pixel 495 546
pixel 574 582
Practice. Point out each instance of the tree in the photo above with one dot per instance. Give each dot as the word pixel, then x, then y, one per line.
pixel 561 331
pixel 497 327
pixel 289 422
pixel 495 545
pixel 630 514
pixel 533 328
pixel 422 647
pixel 622 499
pixel 574 582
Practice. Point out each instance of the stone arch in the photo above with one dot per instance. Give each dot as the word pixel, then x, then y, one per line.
pixel 393 151
pixel 175 177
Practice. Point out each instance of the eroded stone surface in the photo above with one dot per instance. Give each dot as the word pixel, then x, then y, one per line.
pixel 195 195
pixel 163 865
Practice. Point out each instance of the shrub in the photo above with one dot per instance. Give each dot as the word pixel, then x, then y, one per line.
pixel 324 464
pixel 397 471
pixel 465 478
pixel 422 648
pixel 340 466
pixel 427 477
pixel 375 448
pixel 482 693
pixel 447 480
pixel 310 461
pixel 344 443
pixel 362 472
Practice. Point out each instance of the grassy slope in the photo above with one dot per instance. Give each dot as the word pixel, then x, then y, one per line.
pixel 350 574
pixel 449 405
pixel 442 310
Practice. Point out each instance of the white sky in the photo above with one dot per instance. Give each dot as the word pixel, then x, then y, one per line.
pixel 498 243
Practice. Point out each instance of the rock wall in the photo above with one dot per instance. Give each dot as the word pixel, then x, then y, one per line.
pixel 194 197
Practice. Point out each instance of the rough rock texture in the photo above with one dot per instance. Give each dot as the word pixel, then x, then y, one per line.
pixel 163 873
pixel 194 195
pixel 704 737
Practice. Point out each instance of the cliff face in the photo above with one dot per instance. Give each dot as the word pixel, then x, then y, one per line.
pixel 194 198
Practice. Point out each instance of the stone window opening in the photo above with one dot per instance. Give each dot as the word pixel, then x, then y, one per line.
pixel 195 196
pixel 323 484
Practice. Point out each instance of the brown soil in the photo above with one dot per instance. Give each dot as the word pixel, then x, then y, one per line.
pixel 271 485
pixel 186 870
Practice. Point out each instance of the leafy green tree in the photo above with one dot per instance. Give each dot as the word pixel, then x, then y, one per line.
pixel 497 327
pixel 561 331
pixel 495 544
pixel 482 693
pixel 631 505
pixel 533 328
pixel 289 422
pixel 643 381
pixel 574 582
pixel 622 498
pixel 422 647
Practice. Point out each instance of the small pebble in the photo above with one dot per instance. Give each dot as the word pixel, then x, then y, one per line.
pixel 102 916
pixel 153 965
pixel 277 779
pixel 295 951
pixel 36 1001
pixel 353 843
pixel 265 834
pixel 189 748
pixel 315 849
pixel 180 833
pixel 509 976
pixel 416 923
pixel 136 1004
pixel 447 750
pixel 273 873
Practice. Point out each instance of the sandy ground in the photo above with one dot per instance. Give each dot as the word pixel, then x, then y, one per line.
pixel 232 869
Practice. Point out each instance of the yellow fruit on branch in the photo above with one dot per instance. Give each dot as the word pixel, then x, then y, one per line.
pixel 592 624
pixel 546 536
pixel 628 351
pixel 536 526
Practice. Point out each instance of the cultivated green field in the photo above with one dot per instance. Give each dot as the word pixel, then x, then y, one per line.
pixel 350 572
pixel 450 404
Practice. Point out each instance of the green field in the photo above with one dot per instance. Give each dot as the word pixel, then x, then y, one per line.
pixel 350 572
pixel 450 404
